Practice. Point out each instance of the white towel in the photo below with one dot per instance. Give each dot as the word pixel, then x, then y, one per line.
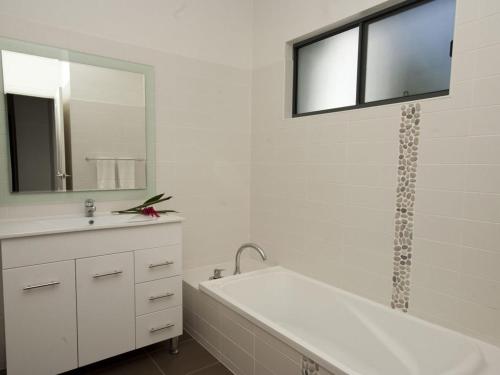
pixel 126 174
pixel 106 174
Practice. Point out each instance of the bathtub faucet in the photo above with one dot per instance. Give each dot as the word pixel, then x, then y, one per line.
pixel 256 247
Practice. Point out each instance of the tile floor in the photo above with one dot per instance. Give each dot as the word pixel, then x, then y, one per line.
pixel 193 359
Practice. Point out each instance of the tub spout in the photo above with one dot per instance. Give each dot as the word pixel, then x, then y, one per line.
pixel 256 247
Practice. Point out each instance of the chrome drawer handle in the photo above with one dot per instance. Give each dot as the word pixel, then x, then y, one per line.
pixel 168 294
pixel 166 263
pixel 116 272
pixel 36 286
pixel 160 328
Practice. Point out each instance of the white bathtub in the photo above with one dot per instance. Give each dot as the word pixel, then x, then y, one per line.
pixel 347 334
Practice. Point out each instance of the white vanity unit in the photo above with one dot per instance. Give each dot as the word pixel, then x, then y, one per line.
pixel 79 290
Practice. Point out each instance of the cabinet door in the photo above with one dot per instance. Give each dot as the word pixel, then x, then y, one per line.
pixel 40 318
pixel 106 314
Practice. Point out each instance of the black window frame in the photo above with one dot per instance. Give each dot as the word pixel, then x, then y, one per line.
pixel 363 24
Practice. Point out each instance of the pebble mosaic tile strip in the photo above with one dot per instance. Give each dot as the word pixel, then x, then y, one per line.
pixel 405 200
pixel 309 367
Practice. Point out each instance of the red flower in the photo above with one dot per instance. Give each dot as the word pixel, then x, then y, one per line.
pixel 150 211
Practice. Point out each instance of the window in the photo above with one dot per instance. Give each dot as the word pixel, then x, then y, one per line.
pixel 399 54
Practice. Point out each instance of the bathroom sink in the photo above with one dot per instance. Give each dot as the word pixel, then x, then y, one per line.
pixel 98 220
pixel 60 224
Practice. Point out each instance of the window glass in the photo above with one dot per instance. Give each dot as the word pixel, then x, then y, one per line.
pixel 327 72
pixel 408 53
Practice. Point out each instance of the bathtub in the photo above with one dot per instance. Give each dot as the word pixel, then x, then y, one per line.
pixel 344 333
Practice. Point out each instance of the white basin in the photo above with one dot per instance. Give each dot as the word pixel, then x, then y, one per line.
pixel 61 224
pixel 98 220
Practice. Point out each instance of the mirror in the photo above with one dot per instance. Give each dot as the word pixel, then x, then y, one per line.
pixel 73 126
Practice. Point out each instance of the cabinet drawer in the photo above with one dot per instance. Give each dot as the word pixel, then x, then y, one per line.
pixel 105 295
pixel 158 326
pixel 158 263
pixel 158 295
pixel 40 318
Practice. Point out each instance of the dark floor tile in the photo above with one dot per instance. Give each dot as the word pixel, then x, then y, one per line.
pixel 110 362
pixel 192 356
pixel 217 369
pixel 141 366
pixel 165 345
pixel 185 336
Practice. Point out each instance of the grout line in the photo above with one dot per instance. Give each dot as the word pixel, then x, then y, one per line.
pixel 204 368
pixel 155 363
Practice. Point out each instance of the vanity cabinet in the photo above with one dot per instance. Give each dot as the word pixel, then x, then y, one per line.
pixel 40 318
pixel 106 309
pixel 88 295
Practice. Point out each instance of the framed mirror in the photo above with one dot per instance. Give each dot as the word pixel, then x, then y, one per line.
pixel 74 122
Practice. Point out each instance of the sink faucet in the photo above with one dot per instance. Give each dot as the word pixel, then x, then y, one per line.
pixel 217 274
pixel 256 247
pixel 89 207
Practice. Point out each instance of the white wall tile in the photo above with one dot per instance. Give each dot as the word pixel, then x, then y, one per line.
pixel 489 30
pixel 488 7
pixel 481 235
pixel 444 177
pixel 480 263
pixel 484 121
pixel 482 207
pixel 445 123
pixel 439 202
pixel 466 11
pixel 487 61
pixel 483 179
pixel 487 91
pixel 439 228
pixel 442 151
pixel 439 254
pixel 479 290
pixel 483 150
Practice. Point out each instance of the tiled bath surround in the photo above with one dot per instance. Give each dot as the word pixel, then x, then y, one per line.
pixel 323 187
pixel 409 134
pixel 240 345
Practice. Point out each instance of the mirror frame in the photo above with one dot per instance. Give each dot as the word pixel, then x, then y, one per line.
pixel 9 198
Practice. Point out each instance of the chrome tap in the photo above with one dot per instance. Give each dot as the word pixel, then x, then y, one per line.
pixel 89 207
pixel 217 274
pixel 247 246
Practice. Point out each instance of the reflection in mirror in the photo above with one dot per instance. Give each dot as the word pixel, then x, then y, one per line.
pixel 73 127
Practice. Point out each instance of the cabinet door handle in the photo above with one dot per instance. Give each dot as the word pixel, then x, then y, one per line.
pixel 160 328
pixel 168 294
pixel 43 285
pixel 116 272
pixel 166 263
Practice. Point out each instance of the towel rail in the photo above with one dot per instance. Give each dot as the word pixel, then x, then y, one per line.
pixel 110 158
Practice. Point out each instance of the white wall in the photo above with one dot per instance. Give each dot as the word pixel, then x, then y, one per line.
pixel 202 92
pixel 324 187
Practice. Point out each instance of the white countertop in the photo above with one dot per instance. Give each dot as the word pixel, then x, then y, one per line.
pixel 62 224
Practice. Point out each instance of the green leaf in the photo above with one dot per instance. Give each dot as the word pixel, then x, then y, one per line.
pixel 153 199
pixel 149 202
